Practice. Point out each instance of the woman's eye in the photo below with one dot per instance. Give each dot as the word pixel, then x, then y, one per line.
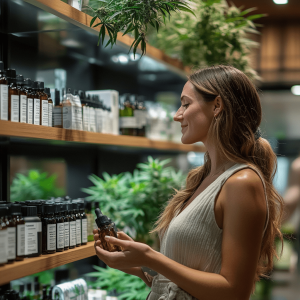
pixel 185 106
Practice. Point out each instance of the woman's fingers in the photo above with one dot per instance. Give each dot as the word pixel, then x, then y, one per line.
pixel 96 237
pixel 123 236
pixel 123 243
pixel 95 231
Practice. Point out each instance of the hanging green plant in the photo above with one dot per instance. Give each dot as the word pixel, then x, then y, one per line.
pixel 132 16
pixel 216 34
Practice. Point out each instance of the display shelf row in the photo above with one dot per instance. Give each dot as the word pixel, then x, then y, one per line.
pixel 29 266
pixel 21 130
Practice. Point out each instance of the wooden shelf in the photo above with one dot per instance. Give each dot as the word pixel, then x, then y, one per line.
pixel 82 20
pixel 34 265
pixel 22 130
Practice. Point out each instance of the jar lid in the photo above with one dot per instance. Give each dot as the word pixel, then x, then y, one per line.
pixel 3 211
pixel 29 211
pixel 49 208
pixel 16 209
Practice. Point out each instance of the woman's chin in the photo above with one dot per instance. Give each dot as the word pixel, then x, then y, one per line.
pixel 186 140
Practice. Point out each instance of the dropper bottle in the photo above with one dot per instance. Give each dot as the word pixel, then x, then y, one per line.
pixel 3 94
pixel 13 96
pixel 105 230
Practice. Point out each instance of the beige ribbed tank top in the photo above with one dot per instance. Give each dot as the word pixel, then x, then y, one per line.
pixel 194 239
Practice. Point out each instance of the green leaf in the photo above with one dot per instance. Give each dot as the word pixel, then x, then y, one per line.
pixel 93 20
pixel 254 17
pixel 97 25
pixel 185 8
pixel 247 11
pixel 130 27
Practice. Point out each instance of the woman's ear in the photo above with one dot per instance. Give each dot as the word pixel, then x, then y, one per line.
pixel 218 106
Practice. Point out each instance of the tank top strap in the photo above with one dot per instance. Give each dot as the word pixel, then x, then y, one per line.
pixel 234 169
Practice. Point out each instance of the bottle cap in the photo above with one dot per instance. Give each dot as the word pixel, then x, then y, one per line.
pixel 37 203
pixel 47 91
pixel 88 205
pixel 1 66
pixel 57 97
pixel 35 85
pixel 29 287
pixel 20 79
pixel 59 207
pixel 101 219
pixel 21 288
pixel 3 211
pixel 41 85
pixel 74 205
pixel 81 203
pixel 29 211
pixel 67 198
pixel 81 96
pixel 16 209
pixel 28 83
pixel 10 73
pixel 49 208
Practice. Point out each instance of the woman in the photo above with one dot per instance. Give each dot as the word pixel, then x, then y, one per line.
pixel 217 235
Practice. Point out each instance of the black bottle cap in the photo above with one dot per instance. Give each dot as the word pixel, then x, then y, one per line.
pixel 57 97
pixel 37 203
pixel 81 203
pixel 21 288
pixel 88 205
pixel 64 207
pixel 35 85
pixel 3 211
pixel 101 219
pixel 1 66
pixel 41 85
pixel 47 91
pixel 36 287
pixel 58 207
pixel 29 211
pixel 81 95
pixel 49 208
pixel 11 73
pixel 16 209
pixel 74 205
pixel 75 92
pixel 20 79
pixel 28 83
pixel 67 198
pixel 29 287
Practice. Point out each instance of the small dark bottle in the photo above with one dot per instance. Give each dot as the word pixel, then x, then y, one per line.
pixel 11 236
pixel 33 231
pixel 49 229
pixel 84 221
pixel 57 119
pixel 45 296
pixel 30 97
pixel 66 225
pixel 36 103
pixel 105 230
pixel 44 115
pixel 3 94
pixel 13 96
pixel 3 235
pixel 113 228
pixel 90 220
pixel 78 222
pixel 60 228
pixel 23 98
pixel 21 290
pixel 50 107
pixel 16 211
pixel 39 206
pixel 72 217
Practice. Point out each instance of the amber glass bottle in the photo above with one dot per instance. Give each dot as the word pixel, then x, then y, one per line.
pixel 23 98
pixel 60 228
pixel 65 208
pixel 78 222
pixel 30 94
pixel 11 236
pixel 50 107
pixel 3 94
pixel 57 111
pixel 84 221
pixel 36 104
pixel 49 229
pixel 72 217
pixel 105 230
pixel 16 212
pixel 3 235
pixel 44 115
pixel 13 96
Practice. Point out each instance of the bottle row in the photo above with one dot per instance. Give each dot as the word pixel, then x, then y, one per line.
pixel 41 227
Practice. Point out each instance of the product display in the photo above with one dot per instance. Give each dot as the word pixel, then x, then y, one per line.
pixel 3 94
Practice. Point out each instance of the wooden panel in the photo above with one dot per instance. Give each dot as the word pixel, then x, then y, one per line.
pixel 80 19
pixel 22 130
pixel 292 47
pixel 34 265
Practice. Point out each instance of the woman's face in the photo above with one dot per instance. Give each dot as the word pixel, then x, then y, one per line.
pixel 195 115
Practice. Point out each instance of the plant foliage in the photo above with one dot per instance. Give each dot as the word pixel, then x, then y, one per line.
pixel 34 186
pixel 134 201
pixel 132 16
pixel 216 34
pixel 130 287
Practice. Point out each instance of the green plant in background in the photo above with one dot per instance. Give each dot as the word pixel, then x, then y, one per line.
pixel 217 34
pixel 130 287
pixel 134 201
pixel 135 16
pixel 34 186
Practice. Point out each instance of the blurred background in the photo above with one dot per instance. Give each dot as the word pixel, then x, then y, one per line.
pixel 45 47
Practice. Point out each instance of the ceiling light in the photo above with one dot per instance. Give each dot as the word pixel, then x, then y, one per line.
pixel 296 90
pixel 280 1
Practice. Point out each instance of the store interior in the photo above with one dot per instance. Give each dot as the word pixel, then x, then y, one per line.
pixel 52 42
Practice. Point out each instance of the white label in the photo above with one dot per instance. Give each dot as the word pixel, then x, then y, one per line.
pixel 67 117
pixel 36 111
pixel 14 108
pixel 77 117
pixel 128 122
pixel 20 240
pixel 139 114
pixel 84 230
pixel 86 117
pixel 67 234
pixel 51 236
pixel 78 232
pixel 45 114
pixel 3 245
pixel 31 237
pixel 50 112
pixel 92 120
pixel 73 233
pixel 4 102
pixel 11 242
pixel 57 116
pixel 30 111
pixel 60 235
pixel 99 119
pixel 23 109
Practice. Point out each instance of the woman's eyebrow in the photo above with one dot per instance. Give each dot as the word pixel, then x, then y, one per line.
pixel 184 96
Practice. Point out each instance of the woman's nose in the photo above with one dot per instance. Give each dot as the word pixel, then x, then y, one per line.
pixel 178 116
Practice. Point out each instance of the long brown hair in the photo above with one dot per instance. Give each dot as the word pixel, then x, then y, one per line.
pixel 233 132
